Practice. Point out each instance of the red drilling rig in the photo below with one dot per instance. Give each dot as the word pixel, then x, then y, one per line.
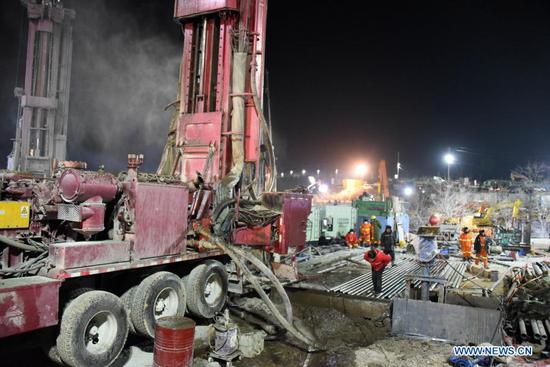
pixel 88 256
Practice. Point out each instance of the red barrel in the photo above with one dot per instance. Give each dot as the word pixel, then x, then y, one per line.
pixel 174 342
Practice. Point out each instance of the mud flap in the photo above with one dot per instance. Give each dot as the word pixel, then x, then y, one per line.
pixel 453 323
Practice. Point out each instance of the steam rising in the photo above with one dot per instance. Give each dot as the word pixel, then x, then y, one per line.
pixel 125 71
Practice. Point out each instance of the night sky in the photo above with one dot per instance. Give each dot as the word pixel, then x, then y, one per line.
pixel 348 82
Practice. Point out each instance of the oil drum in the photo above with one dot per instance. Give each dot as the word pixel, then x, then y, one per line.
pixel 174 342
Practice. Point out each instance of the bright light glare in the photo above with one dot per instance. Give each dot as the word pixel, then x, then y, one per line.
pixel 449 158
pixel 361 169
pixel 323 188
pixel 408 191
pixel 311 180
pixel 304 172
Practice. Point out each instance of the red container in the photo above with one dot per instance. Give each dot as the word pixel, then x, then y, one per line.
pixel 174 342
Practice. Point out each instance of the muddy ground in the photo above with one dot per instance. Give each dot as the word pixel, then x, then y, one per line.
pixel 348 341
pixel 338 334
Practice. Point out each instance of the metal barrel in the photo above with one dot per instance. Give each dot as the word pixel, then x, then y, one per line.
pixel 174 342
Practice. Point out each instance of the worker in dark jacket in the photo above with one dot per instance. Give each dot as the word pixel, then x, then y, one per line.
pixel 387 241
pixel 481 248
pixel 378 261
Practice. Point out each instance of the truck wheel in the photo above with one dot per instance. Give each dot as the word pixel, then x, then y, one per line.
pixel 94 328
pixel 158 295
pixel 127 299
pixel 206 288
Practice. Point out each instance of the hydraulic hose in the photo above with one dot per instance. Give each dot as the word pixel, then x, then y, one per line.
pixel 278 286
pixel 36 266
pixel 271 185
pixel 234 255
pixel 19 245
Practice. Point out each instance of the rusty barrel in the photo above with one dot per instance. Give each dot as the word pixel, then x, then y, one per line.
pixel 174 342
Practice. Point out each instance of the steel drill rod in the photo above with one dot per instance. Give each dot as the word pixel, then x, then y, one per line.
pixel 365 283
pixel 542 332
pixel 522 329
pixel 367 286
pixel 535 327
pixel 353 283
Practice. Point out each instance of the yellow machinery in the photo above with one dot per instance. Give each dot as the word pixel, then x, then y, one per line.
pixel 14 214
pixel 491 215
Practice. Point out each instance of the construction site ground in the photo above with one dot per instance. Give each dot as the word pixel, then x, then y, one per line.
pixel 352 330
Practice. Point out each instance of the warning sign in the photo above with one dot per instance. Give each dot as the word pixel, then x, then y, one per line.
pixel 14 214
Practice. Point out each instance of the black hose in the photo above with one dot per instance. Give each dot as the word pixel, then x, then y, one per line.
pixel 21 246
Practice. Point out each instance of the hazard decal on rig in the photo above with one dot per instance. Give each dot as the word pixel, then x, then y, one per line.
pixel 24 212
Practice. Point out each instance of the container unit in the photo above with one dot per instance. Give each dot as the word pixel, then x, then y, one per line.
pixel 330 220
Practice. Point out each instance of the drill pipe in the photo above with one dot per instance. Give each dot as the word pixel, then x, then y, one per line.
pixel 393 280
pixel 542 332
pixel 535 327
pixel 536 268
pixel 522 329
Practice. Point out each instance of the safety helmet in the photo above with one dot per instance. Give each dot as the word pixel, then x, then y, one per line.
pixel 373 217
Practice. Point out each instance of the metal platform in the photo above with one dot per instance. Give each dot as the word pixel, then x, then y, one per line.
pixel 394 278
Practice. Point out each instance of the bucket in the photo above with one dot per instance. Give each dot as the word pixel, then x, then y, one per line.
pixel 174 342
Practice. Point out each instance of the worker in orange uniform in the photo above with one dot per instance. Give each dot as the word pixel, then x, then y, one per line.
pixel 365 231
pixel 481 248
pixel 465 241
pixel 351 239
pixel 378 261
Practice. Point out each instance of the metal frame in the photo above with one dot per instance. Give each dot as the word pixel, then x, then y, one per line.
pixel 41 134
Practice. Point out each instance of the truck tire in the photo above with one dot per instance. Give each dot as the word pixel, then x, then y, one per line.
pixel 127 298
pixel 206 288
pixel 158 295
pixel 48 336
pixel 48 345
pixel 94 328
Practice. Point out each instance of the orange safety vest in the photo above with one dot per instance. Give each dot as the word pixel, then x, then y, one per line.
pixel 465 241
pixel 365 231
pixel 484 252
